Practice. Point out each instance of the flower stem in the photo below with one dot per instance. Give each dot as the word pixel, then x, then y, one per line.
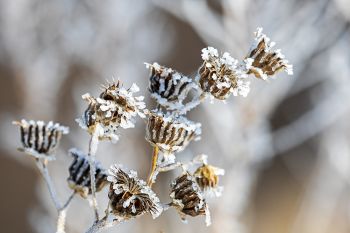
pixel 92 151
pixel 153 166
pixel 102 224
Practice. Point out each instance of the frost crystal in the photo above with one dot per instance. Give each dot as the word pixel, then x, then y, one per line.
pixel 168 87
pixel 264 61
pixel 115 107
pixel 171 133
pixel 39 139
pixel 221 76
pixel 79 174
pixel 130 196
pixel 207 177
pixel 187 197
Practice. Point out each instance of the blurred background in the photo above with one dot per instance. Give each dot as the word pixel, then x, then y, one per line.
pixel 285 147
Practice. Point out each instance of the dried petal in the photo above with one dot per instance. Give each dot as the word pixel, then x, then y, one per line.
pixel 130 196
pixel 169 87
pixel 264 61
pixel 79 174
pixel 39 139
pixel 187 197
pixel 169 133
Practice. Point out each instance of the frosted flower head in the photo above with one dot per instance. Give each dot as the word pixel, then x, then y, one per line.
pixel 130 196
pixel 221 76
pixel 168 87
pixel 187 197
pixel 171 133
pixel 207 177
pixel 115 107
pixel 79 174
pixel 263 61
pixel 40 139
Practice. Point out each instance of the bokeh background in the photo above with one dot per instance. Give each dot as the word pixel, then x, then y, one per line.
pixel 285 148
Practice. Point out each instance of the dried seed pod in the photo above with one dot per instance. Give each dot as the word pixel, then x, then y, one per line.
pixel 39 139
pixel 263 61
pixel 115 107
pixel 187 197
pixel 169 133
pixel 221 76
pixel 130 196
pixel 207 177
pixel 169 87
pixel 79 174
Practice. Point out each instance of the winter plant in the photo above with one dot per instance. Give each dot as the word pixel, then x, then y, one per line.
pixel 168 131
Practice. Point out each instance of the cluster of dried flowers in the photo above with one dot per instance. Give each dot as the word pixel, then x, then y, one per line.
pixel 168 131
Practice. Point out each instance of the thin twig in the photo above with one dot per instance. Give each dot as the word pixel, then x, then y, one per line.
pixel 42 166
pixel 102 224
pixel 91 153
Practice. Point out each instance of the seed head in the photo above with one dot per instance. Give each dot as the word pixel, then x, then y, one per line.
pixel 39 139
pixel 221 76
pixel 169 87
pixel 171 133
pixel 264 61
pixel 187 197
pixel 79 174
pixel 115 107
pixel 130 196
pixel 207 177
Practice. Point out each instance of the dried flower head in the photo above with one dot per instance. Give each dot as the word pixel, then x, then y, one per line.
pixel 39 139
pixel 129 196
pixel 79 174
pixel 116 107
pixel 263 60
pixel 169 87
pixel 221 76
pixel 187 198
pixel 171 133
pixel 207 177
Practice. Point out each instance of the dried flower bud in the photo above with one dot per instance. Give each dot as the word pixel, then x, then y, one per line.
pixel 263 61
pixel 130 196
pixel 116 107
pixel 207 177
pixel 39 139
pixel 169 133
pixel 168 87
pixel 187 198
pixel 79 174
pixel 221 76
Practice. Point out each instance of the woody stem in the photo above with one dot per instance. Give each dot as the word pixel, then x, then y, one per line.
pixel 154 166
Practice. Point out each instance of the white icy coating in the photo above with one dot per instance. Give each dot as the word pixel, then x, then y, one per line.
pixel 179 84
pixel 39 139
pixel 178 203
pixel 209 192
pixel 135 186
pixel 234 76
pixel 107 109
pixel 177 123
pixel 259 36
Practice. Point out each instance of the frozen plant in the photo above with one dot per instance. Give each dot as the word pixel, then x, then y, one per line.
pixel 168 131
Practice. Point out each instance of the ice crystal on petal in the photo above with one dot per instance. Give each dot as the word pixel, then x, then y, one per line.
pixel 115 107
pixel 207 177
pixel 168 87
pixel 264 61
pixel 221 76
pixel 79 174
pixel 129 196
pixel 187 197
pixel 40 139
pixel 171 133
